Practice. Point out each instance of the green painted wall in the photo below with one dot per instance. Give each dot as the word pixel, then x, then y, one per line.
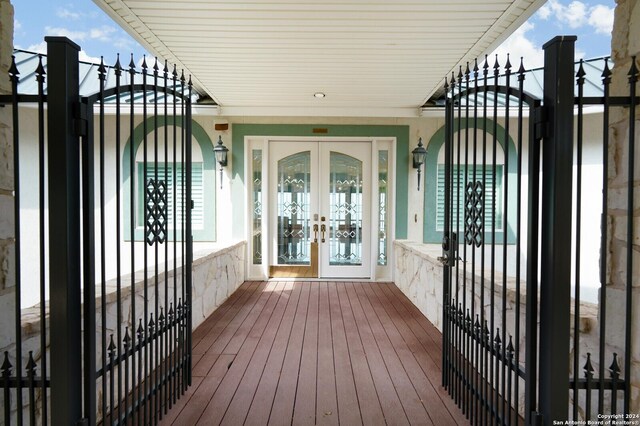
pixel 401 133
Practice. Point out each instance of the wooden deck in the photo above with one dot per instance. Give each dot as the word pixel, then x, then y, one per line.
pixel 304 353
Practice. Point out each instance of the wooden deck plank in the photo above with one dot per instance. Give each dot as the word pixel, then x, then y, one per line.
pixel 348 407
pixel 237 312
pixel 326 403
pixel 304 411
pixel 367 395
pixel 218 405
pixel 206 326
pixel 204 364
pixel 266 389
pixel 175 410
pixel 419 317
pixel 283 402
pixel 411 401
pixel 392 407
pixel 234 335
pixel 194 408
pixel 411 352
pixel 298 353
pixel 241 402
pixel 428 352
pixel 413 318
pixel 227 310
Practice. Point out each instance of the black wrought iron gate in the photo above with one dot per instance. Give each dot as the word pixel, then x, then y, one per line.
pixel 483 349
pixel 512 250
pixel 115 247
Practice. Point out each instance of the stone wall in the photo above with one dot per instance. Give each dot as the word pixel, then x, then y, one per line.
pixel 7 243
pixel 419 276
pixel 215 278
pixel 624 45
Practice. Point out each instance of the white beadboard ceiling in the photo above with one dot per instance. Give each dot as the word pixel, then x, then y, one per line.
pixel 370 57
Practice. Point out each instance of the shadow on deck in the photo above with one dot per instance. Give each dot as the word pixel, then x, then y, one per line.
pixel 316 353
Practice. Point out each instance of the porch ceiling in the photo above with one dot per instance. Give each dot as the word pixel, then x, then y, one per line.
pixel 370 57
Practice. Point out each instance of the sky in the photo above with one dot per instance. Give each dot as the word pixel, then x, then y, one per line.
pixel 86 24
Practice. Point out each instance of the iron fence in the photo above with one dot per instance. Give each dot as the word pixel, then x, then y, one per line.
pixel 513 353
pixel 114 191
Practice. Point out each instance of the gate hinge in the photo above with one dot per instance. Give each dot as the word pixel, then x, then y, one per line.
pixel 80 120
pixel 540 122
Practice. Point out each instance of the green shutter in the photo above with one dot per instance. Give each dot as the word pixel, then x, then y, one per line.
pixel 197 192
pixel 459 176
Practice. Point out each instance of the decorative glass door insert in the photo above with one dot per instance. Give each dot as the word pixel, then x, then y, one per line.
pixel 345 202
pixel 345 211
pixel 294 215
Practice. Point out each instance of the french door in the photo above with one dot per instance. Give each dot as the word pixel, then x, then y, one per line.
pixel 320 207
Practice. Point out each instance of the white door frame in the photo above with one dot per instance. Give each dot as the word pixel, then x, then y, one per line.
pixel 261 271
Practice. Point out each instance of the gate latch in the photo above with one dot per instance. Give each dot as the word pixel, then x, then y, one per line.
pixel 449 250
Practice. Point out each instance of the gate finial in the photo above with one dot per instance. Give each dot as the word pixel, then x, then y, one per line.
pixel 606 72
pixel 117 67
pixel 102 70
pixel 521 70
pixel 13 69
pixel 40 72
pixel 580 74
pixel 633 71
pixel 614 367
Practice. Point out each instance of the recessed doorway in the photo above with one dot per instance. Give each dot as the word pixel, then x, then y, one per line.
pixel 320 208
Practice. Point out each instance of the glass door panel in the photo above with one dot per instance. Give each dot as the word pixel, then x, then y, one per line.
pixel 345 193
pixel 294 203
pixel 345 211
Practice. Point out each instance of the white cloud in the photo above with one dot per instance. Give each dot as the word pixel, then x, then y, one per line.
pixel 574 14
pixel 38 48
pixel 601 19
pixel 64 32
pixel 103 33
pixel 16 25
pixel 544 12
pixel 123 43
pixel 577 14
pixel 518 45
pixel 68 14
pixel 83 56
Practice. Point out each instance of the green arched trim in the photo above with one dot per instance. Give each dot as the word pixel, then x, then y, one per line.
pixel 198 133
pixel 430 234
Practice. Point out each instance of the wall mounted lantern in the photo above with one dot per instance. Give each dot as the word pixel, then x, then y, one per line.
pixel 419 154
pixel 220 152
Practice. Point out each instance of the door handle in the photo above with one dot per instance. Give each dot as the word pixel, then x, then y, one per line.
pixel 315 232
pixel 323 229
